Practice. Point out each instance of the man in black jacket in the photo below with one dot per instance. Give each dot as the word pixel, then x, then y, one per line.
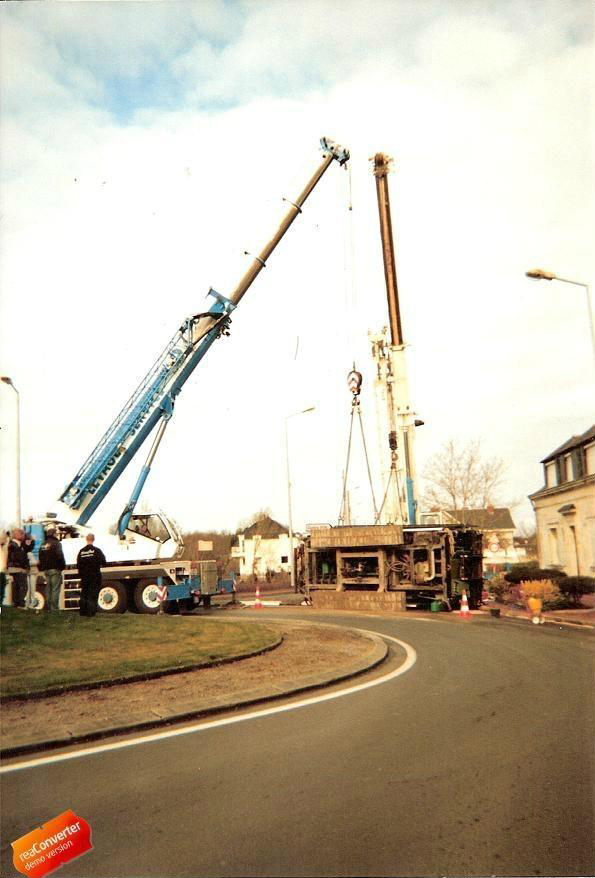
pixel 89 562
pixel 51 564
pixel 18 564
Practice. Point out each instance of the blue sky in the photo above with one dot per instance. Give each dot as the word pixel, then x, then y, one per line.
pixel 145 146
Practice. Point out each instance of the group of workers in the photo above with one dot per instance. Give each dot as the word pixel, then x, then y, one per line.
pixel 16 557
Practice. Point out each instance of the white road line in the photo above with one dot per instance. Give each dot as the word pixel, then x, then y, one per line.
pixel 411 658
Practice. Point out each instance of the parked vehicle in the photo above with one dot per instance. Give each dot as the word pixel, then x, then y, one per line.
pixel 143 550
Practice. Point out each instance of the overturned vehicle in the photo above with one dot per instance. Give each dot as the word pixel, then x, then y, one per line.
pixel 391 567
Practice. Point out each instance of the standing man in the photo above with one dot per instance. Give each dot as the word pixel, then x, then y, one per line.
pixel 51 564
pixel 89 562
pixel 18 565
pixel 4 540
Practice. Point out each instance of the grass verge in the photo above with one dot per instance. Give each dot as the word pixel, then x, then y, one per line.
pixel 47 650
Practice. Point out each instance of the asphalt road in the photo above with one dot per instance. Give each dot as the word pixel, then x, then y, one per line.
pixel 477 761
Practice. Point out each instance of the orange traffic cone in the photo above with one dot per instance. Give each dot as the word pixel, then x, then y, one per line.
pixel 257 603
pixel 465 613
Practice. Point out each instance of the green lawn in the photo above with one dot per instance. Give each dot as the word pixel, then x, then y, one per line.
pixel 41 651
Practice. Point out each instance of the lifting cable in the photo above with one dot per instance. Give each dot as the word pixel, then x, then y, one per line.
pixel 349 265
pixel 393 469
pixel 354 380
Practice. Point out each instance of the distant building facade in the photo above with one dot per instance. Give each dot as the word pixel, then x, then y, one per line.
pixel 565 507
pixel 263 548
pixel 500 546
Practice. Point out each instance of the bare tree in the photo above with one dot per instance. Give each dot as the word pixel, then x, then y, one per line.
pixel 265 512
pixel 458 477
pixel 528 533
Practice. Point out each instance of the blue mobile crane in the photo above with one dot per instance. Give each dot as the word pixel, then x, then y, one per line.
pixel 143 552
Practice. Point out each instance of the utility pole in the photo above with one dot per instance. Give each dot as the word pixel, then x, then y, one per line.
pixel 291 552
pixel 396 421
pixel 6 380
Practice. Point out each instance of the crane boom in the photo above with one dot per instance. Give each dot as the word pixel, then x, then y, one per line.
pixel 395 416
pixel 153 400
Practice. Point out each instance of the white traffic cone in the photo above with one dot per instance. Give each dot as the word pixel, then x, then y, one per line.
pixel 257 603
pixel 465 613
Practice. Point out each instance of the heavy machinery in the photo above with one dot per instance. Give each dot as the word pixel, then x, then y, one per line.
pixel 395 418
pixel 394 564
pixel 142 553
pixel 397 567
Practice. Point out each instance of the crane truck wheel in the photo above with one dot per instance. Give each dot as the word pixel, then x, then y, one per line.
pixel 38 600
pixel 146 598
pixel 112 598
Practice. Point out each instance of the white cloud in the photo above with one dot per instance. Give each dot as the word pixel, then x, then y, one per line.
pixel 113 233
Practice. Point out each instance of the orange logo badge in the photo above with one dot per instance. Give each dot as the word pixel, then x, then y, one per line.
pixel 57 842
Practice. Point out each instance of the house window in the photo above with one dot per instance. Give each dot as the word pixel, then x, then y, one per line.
pixel 567 468
pixel 559 470
pixel 562 547
pixel 590 459
pixel 578 463
pixel 284 559
pixel 554 556
pixel 550 475
pixel 575 547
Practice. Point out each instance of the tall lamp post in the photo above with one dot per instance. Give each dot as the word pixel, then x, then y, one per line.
pixel 6 380
pixel 291 556
pixel 541 274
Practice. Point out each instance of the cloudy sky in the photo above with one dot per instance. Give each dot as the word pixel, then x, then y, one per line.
pixel 146 146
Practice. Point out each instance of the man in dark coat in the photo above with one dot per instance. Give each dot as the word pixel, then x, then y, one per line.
pixel 89 562
pixel 18 564
pixel 51 564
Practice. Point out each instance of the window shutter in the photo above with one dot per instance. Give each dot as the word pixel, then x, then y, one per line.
pixel 578 463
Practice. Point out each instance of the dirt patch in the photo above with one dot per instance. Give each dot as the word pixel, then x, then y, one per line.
pixel 306 650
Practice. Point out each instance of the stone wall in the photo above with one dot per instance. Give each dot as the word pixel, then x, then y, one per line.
pixel 372 601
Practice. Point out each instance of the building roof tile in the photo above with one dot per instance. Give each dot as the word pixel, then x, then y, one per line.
pixel 490 518
pixel 267 528
pixel 571 443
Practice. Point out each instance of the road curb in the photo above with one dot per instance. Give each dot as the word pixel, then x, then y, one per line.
pixel 577 624
pixel 140 677
pixel 214 705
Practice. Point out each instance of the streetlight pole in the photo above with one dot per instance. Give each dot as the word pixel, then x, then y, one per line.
pixel 6 380
pixel 541 274
pixel 290 522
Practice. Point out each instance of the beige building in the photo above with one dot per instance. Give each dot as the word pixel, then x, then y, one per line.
pixel 263 548
pixel 565 507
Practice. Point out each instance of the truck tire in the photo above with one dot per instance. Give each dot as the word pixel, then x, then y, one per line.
pixel 39 598
pixel 145 597
pixel 112 598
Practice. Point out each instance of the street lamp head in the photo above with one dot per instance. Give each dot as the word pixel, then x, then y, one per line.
pixel 540 274
pixel 311 409
pixel 6 379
